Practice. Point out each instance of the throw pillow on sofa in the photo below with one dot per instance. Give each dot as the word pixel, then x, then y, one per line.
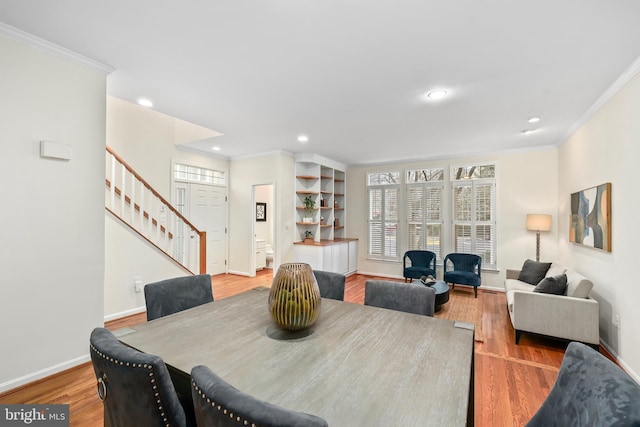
pixel 533 272
pixel 556 285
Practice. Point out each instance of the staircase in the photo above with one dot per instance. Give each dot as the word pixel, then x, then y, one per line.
pixel 130 199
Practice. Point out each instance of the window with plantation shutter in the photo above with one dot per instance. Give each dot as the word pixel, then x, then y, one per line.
pixel 424 210
pixel 473 212
pixel 383 192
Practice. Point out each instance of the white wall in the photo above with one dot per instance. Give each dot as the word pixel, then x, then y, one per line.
pixel 52 252
pixel 146 140
pixel 526 183
pixel 244 173
pixel 606 149
pixel 127 256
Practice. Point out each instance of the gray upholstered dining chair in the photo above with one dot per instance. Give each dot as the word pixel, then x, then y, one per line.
pixel 135 388
pixel 400 296
pixel 173 295
pixel 331 284
pixel 589 391
pixel 218 404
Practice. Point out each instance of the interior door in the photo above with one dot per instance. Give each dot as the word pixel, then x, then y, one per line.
pixel 208 212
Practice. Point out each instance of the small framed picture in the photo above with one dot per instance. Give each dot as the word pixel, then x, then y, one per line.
pixel 261 211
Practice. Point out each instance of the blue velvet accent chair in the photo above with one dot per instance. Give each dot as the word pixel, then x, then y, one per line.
pixel 420 263
pixel 135 388
pixel 463 269
pixel 219 404
pixel 173 295
pixel 331 284
pixel 400 296
pixel 590 390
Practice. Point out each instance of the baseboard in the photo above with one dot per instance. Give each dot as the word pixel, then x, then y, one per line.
pixel 43 373
pixel 122 314
pixel 390 276
pixel 621 362
pixel 239 273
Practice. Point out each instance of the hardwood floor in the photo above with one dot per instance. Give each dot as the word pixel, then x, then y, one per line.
pixel 511 381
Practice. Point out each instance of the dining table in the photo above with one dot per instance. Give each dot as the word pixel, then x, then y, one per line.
pixel 357 365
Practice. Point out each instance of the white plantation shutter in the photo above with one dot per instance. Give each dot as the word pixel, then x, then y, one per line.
pixel 424 217
pixel 383 218
pixel 473 207
pixel 485 224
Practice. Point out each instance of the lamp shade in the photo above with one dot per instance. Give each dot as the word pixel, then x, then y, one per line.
pixel 538 222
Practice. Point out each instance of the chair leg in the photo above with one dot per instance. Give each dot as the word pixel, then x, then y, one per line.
pixel 475 291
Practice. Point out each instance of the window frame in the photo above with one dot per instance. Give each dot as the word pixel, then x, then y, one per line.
pixel 474 222
pixel 386 251
pixel 433 178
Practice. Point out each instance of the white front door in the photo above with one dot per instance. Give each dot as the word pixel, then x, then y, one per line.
pixel 208 212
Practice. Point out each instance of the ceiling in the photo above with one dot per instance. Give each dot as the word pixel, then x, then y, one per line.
pixel 352 74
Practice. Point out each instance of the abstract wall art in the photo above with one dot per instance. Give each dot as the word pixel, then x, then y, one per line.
pixel 591 217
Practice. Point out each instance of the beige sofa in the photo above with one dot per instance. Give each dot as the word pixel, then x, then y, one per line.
pixel 574 316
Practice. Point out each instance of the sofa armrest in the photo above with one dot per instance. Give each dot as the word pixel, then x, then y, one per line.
pixel 559 316
pixel 513 274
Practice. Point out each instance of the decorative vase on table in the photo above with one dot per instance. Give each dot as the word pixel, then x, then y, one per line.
pixel 294 299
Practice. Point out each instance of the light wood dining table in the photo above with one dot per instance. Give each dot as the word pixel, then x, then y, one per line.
pixel 356 366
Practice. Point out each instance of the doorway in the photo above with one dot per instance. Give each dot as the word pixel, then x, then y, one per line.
pixel 205 206
pixel 264 226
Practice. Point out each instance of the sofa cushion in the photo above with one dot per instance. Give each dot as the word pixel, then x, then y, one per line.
pixel 555 270
pixel 510 301
pixel 577 285
pixel 517 285
pixel 556 285
pixel 533 272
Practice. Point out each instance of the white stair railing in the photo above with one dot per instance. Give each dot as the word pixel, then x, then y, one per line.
pixel 132 200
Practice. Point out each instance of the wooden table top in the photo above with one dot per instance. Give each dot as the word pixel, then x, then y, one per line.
pixel 357 366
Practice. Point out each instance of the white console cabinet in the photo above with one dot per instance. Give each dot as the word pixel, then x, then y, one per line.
pixel 338 256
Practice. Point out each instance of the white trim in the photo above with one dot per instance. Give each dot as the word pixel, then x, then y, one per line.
pixel 43 373
pixel 239 273
pixel 464 155
pixel 52 48
pixel 324 161
pixel 390 276
pixel 618 84
pixel 125 313
pixel 625 367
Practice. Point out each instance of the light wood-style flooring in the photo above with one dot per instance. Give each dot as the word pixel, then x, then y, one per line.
pixel 511 381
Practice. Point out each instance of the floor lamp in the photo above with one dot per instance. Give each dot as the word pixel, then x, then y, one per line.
pixel 538 223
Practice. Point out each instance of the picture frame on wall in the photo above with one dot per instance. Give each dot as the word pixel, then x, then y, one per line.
pixel 261 211
pixel 591 217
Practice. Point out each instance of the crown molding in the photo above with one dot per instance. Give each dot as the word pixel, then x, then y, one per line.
pixel 617 85
pixel 52 48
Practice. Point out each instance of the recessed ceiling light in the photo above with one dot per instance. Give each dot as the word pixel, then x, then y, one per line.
pixel 215 148
pixel 145 102
pixel 528 131
pixel 303 138
pixel 534 120
pixel 437 94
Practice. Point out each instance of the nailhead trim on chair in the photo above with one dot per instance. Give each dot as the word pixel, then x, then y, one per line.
pixel 219 407
pixel 151 375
